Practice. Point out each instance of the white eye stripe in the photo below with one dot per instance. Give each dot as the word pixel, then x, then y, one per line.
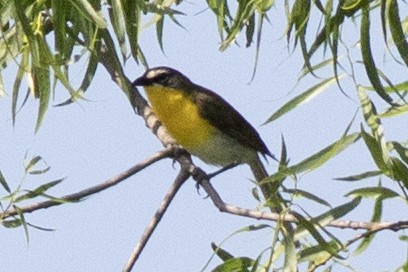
pixel 154 73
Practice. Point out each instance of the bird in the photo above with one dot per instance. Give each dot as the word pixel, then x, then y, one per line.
pixel 202 122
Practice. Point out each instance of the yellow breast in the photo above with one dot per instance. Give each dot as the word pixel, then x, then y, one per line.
pixel 180 116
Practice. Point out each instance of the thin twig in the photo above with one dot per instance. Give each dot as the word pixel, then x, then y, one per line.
pixel 271 216
pixel 171 193
pixel 91 190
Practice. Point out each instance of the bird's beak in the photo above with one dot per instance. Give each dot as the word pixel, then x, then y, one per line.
pixel 141 81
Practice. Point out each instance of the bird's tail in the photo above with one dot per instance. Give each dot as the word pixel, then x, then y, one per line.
pixel 259 171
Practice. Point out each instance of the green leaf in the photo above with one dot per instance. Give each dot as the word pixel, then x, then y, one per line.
pixel 39 172
pixel 244 12
pixel 85 9
pixel 40 190
pixel 3 183
pixel 290 261
pixel 241 264
pixel 118 24
pixel 366 53
pixel 300 193
pixel 59 18
pixel 315 254
pixel 394 111
pixel 23 222
pixel 250 30
pixel 397 32
pixel 315 160
pixel 159 32
pixel 220 9
pixel 361 176
pixel 221 253
pixel 41 78
pixel 399 87
pixel 312 227
pixel 302 98
pixel 373 192
pixel 401 150
pixel 404 238
pixel 305 71
pixel 22 68
pixel 32 163
pixel 399 171
pixel 132 14
pixel 376 151
pixel 14 223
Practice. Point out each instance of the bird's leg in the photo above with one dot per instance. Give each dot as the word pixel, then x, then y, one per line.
pixel 225 168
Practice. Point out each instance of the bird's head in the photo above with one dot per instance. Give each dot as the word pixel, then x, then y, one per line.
pixel 162 76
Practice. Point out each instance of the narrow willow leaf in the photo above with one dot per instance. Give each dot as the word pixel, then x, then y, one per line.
pixel 23 222
pixel 314 254
pixel 244 12
pixel 91 69
pixel 4 183
pixel 300 18
pixel 118 24
pixel 59 19
pixel 399 171
pixel 373 192
pixel 369 111
pixel 42 84
pixel 39 172
pixel 351 5
pixel 40 190
pixel 283 162
pixel 383 20
pixel 250 30
pixel 305 71
pixel 310 196
pixel 376 217
pixel 399 87
pixel 375 150
pixel 86 9
pixel 371 118
pixel 315 160
pixel 159 32
pixel 22 68
pixel 218 7
pixel 397 32
pixel 256 265
pixel 132 13
pixel 14 223
pixel 302 98
pixel 221 253
pixel 32 163
pixel 241 264
pixel 313 229
pixel 331 22
pixel 401 150
pixel 290 260
pixel 89 74
pixel 366 53
pixel 361 176
pixel 394 111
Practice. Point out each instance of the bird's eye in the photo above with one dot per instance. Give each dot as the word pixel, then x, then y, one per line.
pixel 163 78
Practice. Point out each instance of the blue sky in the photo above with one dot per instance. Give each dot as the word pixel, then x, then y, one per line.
pixel 93 140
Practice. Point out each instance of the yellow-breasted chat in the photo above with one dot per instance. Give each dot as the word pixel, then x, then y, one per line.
pixel 201 121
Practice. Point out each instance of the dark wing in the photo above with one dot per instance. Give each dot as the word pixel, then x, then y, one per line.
pixel 211 106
